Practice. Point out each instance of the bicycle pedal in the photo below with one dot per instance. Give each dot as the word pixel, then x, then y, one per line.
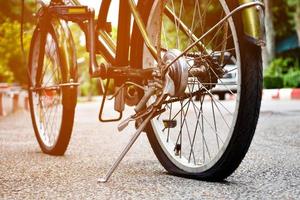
pixel 170 123
pixel 124 123
pixel 70 12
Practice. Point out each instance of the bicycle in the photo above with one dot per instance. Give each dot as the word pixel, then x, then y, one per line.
pixel 166 65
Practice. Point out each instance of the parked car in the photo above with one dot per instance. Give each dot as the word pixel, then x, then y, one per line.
pixel 228 83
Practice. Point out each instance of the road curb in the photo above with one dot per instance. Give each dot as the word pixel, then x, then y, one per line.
pixel 282 94
pixel 12 98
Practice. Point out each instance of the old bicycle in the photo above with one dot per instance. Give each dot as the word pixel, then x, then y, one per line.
pixel 167 61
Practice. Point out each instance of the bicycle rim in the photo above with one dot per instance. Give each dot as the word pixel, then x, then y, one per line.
pixel 46 95
pixel 195 134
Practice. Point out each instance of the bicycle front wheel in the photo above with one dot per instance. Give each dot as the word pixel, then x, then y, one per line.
pixel 200 136
pixel 52 120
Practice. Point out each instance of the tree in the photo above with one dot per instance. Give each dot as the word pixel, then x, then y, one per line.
pixel 12 64
pixel 296 5
pixel 12 10
pixel 269 50
pixel 279 23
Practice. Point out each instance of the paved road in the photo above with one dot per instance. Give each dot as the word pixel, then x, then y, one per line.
pixel 271 169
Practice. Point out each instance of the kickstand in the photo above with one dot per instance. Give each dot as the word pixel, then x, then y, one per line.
pixel 127 148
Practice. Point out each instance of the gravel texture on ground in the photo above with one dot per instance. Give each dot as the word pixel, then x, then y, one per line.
pixel 271 169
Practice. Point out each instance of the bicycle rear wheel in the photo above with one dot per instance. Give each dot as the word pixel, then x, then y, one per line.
pixel 205 139
pixel 51 118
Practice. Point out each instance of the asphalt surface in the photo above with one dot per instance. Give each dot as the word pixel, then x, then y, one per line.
pixel 271 169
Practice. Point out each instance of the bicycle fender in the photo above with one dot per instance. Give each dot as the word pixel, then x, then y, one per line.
pixel 253 23
pixel 66 48
pixel 67 52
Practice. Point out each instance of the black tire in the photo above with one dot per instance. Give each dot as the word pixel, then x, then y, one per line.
pixel 62 117
pixel 247 112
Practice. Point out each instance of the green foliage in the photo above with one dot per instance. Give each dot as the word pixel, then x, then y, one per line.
pixel 280 66
pixel 272 82
pixel 89 88
pixel 12 10
pixel 6 75
pixel 190 12
pixel 12 62
pixel 292 79
pixel 293 2
pixel 282 72
pixel 283 19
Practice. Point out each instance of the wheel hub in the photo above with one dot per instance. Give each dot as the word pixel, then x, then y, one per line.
pixel 178 71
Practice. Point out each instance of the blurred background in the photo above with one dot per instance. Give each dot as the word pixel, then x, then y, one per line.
pixel 281 55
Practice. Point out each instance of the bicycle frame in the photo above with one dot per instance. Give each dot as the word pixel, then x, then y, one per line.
pixel 117 55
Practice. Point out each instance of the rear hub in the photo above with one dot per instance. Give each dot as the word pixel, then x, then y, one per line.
pixel 178 71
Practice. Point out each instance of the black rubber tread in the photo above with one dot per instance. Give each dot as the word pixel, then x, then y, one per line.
pixel 250 100
pixel 68 111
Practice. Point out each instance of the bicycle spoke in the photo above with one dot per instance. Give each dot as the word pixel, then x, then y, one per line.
pixel 47 94
pixel 196 125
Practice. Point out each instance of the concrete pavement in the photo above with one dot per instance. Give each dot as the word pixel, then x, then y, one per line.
pixel 271 169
